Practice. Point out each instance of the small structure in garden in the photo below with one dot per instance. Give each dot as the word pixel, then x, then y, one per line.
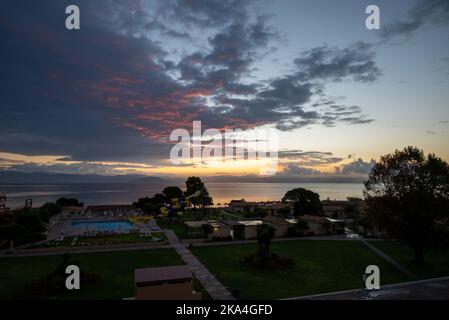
pixel 165 283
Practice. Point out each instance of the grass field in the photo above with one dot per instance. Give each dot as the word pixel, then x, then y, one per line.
pixel 116 270
pixel 320 266
pixel 176 225
pixel 437 261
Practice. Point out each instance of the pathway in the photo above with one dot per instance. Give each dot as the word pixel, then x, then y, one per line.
pixel 211 284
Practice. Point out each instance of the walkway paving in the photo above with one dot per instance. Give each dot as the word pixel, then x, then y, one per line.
pixel 214 288
pixel 389 259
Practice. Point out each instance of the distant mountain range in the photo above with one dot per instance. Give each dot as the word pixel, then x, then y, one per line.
pixel 322 178
pixel 13 177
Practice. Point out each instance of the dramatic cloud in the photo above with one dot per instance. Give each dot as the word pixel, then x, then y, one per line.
pixel 425 13
pixel 78 168
pixel 357 167
pixel 335 64
pixel 205 13
pixel 309 158
pixel 295 170
pixel 113 92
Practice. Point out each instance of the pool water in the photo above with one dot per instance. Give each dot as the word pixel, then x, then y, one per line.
pixel 102 225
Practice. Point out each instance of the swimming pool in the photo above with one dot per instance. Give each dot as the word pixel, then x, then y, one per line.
pixel 82 226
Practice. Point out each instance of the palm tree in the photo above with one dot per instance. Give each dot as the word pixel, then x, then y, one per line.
pixel 265 233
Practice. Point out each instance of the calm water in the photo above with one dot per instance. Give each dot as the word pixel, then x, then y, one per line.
pixel 122 193
pixel 102 225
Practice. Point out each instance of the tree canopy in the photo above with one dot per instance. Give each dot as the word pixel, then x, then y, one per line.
pixel 68 202
pixel 305 201
pixel 407 194
pixel 172 192
pixel 197 191
pixel 265 233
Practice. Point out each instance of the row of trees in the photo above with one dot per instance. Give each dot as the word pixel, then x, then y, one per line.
pixel 195 191
pixel 28 225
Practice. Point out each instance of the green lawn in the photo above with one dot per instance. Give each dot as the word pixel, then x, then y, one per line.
pixel 176 225
pixel 116 270
pixel 437 261
pixel 321 266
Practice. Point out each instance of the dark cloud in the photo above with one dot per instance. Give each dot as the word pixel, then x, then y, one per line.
pixel 425 13
pixel 77 168
pixel 357 167
pixel 296 170
pixel 204 13
pixel 309 158
pixel 107 92
pixel 335 64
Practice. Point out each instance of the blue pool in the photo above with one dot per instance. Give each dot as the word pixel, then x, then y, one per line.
pixel 101 226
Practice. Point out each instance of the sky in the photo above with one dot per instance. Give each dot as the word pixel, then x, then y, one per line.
pixel 104 99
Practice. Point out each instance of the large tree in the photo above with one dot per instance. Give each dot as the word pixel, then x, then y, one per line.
pixel 151 205
pixel 172 192
pixel 197 192
pixel 407 194
pixel 304 201
pixel 68 202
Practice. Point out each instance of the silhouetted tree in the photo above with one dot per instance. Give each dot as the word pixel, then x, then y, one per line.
pixel 172 192
pixel 197 191
pixel 68 202
pixel 265 233
pixel 407 194
pixel 150 205
pixel 305 201
pixel 48 210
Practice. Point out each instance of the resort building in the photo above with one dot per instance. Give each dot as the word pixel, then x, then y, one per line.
pixel 194 229
pixel 165 283
pixel 72 211
pixel 323 226
pixel 217 229
pixel 242 206
pixel 278 208
pixel 243 229
pixel 220 230
pixel 334 209
pixel 111 210
pixel 280 225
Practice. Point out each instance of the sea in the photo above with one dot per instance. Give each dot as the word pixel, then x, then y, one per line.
pixel 126 193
